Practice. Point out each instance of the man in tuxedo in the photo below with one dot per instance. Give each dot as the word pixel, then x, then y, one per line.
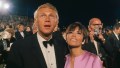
pixel 43 49
pixel 114 47
pixel 20 33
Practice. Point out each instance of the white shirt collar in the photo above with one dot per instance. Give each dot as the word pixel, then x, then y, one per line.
pixel 41 38
pixel 116 35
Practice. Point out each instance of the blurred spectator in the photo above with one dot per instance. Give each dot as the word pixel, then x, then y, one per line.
pixel 34 28
pixel 28 31
pixel 8 35
pixel 114 47
pixel 21 33
pixel 96 39
pixel 7 39
pixel 108 31
pixel 8 26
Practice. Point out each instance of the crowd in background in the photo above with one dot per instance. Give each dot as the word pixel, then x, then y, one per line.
pixel 14 20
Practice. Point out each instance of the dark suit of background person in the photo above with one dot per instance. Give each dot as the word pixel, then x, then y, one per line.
pixel 114 46
pixel 30 52
pixel 95 44
pixel 19 36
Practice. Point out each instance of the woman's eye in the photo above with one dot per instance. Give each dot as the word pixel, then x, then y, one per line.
pixel 69 32
pixel 79 33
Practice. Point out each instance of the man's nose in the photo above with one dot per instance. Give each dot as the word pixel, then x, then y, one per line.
pixel 47 18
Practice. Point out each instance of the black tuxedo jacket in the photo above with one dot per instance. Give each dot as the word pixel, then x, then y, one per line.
pixel 114 50
pixel 114 44
pixel 91 47
pixel 27 53
pixel 19 36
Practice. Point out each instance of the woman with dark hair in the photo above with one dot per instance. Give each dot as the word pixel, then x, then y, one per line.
pixel 76 36
pixel 28 31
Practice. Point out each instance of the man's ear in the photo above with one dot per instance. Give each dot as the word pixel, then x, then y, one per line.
pixel 35 21
pixel 89 28
pixel 56 28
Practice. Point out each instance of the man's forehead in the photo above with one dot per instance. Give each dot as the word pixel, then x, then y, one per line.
pixel 46 9
pixel 95 21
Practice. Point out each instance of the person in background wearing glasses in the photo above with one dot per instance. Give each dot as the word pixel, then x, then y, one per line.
pixel 76 34
pixel 96 40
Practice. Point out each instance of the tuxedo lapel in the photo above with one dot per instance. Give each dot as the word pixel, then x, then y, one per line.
pixel 56 48
pixel 117 42
pixel 38 53
pixel 59 53
pixel 20 35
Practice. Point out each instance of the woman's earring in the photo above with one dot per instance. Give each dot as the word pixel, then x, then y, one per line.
pixel 83 42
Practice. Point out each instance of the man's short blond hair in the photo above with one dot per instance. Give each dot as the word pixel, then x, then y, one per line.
pixel 46 5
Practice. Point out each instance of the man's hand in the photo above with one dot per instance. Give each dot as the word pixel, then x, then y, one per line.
pixel 100 36
pixel 91 35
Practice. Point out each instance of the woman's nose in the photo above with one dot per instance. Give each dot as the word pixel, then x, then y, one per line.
pixel 73 35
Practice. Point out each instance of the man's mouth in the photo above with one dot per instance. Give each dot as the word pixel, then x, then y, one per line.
pixel 47 26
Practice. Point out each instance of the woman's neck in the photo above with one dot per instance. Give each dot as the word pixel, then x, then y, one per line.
pixel 76 52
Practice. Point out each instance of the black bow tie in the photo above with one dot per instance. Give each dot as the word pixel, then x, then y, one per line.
pixel 47 42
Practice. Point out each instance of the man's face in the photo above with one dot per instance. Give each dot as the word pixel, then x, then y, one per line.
pixel 95 24
pixel 46 21
pixel 21 28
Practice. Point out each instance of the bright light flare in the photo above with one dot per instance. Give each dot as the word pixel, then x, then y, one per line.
pixel 0 4
pixel 6 6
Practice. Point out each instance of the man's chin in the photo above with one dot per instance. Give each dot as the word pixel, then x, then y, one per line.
pixel 47 33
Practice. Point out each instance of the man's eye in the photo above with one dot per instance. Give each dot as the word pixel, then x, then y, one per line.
pixel 52 16
pixel 42 15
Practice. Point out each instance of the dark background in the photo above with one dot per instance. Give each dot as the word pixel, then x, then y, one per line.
pixel 72 10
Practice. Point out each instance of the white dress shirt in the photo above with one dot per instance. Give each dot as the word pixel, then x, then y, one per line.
pixel 22 34
pixel 48 53
pixel 96 46
pixel 116 35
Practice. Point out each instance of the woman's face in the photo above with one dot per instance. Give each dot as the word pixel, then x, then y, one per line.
pixel 74 38
pixel 28 29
